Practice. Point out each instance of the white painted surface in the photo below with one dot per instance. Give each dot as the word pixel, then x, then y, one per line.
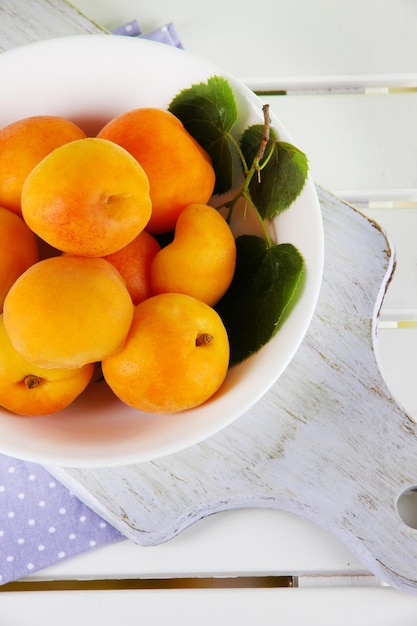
pixel 283 40
pixel 316 607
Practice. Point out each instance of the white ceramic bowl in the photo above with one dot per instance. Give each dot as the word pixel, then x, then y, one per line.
pixel 90 79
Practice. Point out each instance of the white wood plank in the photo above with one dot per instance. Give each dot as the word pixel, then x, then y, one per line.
pixel 283 38
pixel 354 142
pixel 316 607
pixel 398 360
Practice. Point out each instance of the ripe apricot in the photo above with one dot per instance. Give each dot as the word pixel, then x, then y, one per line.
pixel 201 259
pixel 23 144
pixel 174 358
pixel 29 390
pixel 66 311
pixel 179 169
pixel 134 264
pixel 89 197
pixel 18 250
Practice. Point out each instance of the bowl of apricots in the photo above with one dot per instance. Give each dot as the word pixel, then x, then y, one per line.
pixel 161 250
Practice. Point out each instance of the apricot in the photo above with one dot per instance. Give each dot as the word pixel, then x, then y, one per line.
pixel 29 390
pixel 201 259
pixel 175 356
pixel 18 250
pixel 23 144
pixel 89 197
pixel 66 311
pixel 179 169
pixel 134 264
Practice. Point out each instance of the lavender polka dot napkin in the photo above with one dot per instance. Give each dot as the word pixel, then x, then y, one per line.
pixel 41 522
pixel 165 34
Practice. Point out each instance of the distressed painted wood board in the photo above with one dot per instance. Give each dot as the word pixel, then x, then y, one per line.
pixel 327 442
pixel 26 21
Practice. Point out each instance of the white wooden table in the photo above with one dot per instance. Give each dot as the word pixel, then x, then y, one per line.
pixel 348 71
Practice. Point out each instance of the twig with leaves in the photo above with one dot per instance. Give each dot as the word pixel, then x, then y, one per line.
pixel 268 275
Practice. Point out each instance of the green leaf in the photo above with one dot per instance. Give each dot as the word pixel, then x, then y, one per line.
pixel 251 140
pixel 281 179
pixel 208 111
pixel 264 284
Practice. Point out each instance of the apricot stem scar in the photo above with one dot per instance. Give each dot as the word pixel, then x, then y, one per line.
pixel 32 381
pixel 203 339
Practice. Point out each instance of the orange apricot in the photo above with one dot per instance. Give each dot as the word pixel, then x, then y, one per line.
pixel 134 264
pixel 66 311
pixel 89 197
pixel 18 250
pixel 179 169
pixel 175 356
pixel 201 259
pixel 29 390
pixel 23 144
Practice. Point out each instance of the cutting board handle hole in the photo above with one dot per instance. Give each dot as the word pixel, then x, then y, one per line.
pixel 407 507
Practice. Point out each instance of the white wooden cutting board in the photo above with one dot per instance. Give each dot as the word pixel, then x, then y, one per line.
pixel 328 442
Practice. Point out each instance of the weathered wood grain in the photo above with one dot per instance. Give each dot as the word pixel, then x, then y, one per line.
pixel 26 21
pixel 328 442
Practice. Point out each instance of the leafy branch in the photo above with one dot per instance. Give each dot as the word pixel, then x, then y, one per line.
pixel 267 275
pixel 255 167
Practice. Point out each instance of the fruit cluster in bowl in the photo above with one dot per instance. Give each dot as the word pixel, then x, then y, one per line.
pixel 106 287
pixel 266 310
pixel 140 274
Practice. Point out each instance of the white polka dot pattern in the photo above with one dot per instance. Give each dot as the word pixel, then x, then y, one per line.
pixel 41 522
